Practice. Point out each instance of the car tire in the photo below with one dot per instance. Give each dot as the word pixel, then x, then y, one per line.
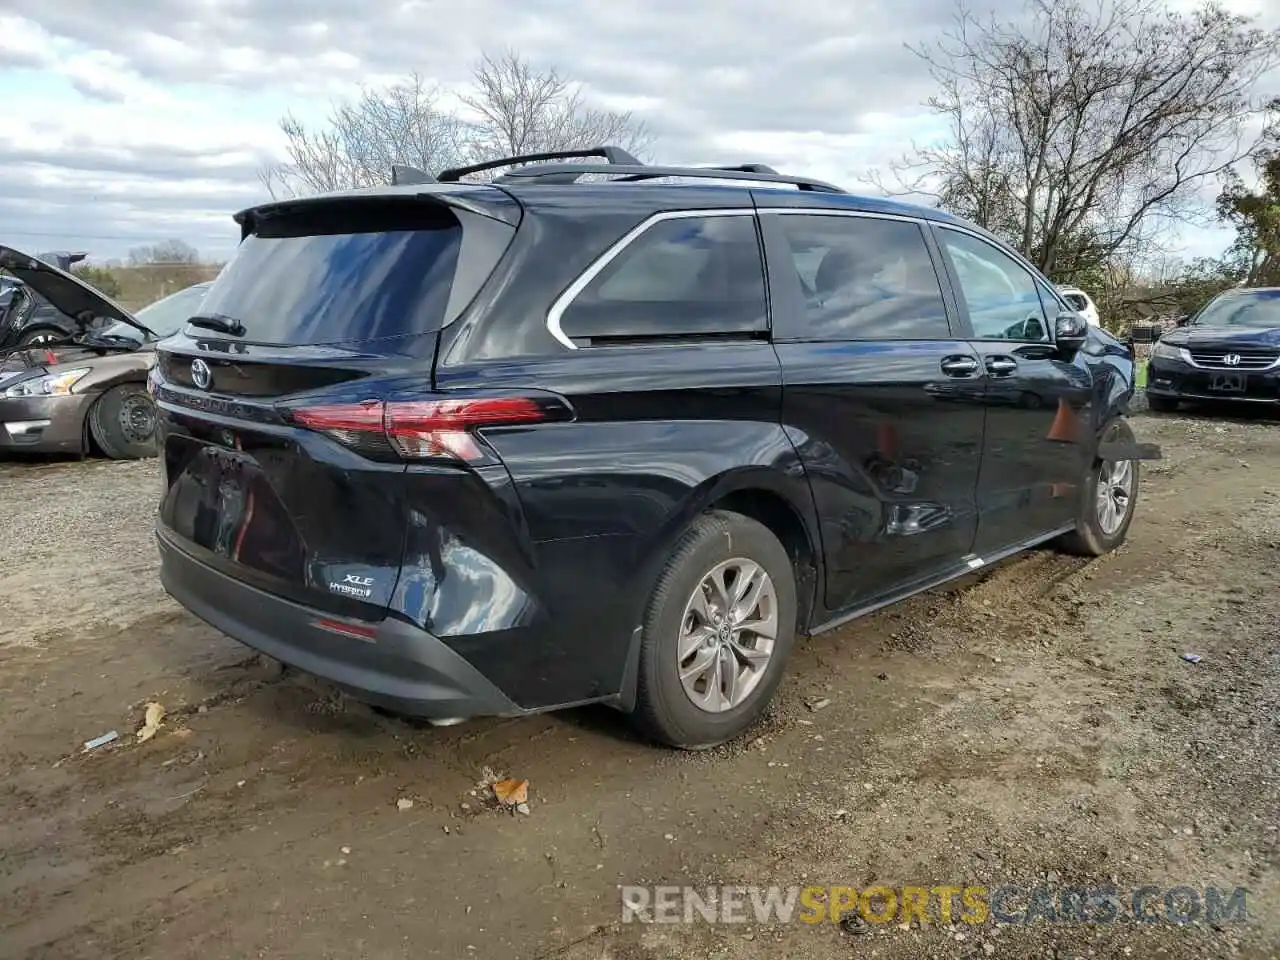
pixel 1161 404
pixel 39 337
pixel 712 706
pixel 119 422
pixel 1100 529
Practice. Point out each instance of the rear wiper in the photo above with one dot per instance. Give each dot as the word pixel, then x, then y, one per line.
pixel 216 321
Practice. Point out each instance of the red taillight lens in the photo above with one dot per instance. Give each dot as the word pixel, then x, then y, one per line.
pixel 422 429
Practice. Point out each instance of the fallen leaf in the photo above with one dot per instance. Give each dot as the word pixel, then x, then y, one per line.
pixel 151 722
pixel 404 803
pixel 511 792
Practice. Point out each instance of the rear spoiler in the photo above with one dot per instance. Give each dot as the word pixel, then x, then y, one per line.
pixel 479 199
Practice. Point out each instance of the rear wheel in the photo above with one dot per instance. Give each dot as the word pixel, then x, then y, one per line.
pixel 123 422
pixel 717 632
pixel 1109 495
pixel 1162 404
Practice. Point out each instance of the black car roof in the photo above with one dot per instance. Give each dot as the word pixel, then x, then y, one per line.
pixel 712 187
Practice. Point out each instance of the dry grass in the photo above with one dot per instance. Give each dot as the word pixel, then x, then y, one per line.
pixel 142 285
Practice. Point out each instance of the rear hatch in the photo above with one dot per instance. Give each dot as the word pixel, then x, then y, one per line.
pixel 293 404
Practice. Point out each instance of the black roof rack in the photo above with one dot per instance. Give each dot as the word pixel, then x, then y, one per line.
pixel 611 155
pixel 401 174
pixel 570 172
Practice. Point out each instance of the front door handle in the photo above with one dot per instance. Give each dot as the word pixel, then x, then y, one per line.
pixel 1001 366
pixel 959 366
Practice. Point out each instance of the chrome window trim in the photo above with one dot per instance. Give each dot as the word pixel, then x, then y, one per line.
pixel 860 214
pixel 562 302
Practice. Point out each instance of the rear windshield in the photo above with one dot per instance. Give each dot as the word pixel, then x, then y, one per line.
pixel 351 274
pixel 1255 309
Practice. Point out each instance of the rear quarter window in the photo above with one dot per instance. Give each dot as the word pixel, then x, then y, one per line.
pixel 683 276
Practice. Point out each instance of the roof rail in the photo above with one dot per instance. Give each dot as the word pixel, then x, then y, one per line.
pixel 402 174
pixel 611 155
pixel 570 172
pixel 749 168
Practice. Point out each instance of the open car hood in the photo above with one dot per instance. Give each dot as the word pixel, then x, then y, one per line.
pixel 67 292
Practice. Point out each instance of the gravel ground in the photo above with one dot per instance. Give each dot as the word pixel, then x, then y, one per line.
pixel 1035 726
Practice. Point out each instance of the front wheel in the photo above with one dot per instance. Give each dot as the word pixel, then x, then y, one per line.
pixel 1109 495
pixel 39 337
pixel 717 632
pixel 123 422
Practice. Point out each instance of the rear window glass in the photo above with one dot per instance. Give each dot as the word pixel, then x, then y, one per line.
pixel 1075 301
pixel 303 280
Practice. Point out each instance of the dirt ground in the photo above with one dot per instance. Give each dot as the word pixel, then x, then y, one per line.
pixel 1037 725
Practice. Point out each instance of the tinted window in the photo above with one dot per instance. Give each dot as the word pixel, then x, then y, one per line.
pixel 865 279
pixel 1001 294
pixel 1254 309
pixel 1076 302
pixel 352 275
pixel 685 276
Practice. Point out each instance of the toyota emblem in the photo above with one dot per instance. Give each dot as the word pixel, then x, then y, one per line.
pixel 1232 359
pixel 201 375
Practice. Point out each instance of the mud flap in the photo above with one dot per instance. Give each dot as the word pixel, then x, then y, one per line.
pixel 1118 450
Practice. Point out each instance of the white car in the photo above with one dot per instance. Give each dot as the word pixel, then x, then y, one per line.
pixel 1081 303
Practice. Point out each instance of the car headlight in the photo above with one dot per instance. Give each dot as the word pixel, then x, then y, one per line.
pixel 51 385
pixel 1167 351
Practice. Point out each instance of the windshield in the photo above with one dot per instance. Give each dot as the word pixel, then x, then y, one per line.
pixel 164 317
pixel 1255 308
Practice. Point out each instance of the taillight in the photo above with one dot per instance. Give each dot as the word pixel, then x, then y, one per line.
pixel 424 429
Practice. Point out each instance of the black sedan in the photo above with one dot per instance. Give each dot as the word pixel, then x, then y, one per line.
pixel 86 391
pixel 1229 350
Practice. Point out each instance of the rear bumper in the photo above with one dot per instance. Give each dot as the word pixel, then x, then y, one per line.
pixel 401 668
pixel 43 424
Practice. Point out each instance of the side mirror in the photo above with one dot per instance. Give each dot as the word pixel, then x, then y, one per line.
pixel 1183 320
pixel 1070 331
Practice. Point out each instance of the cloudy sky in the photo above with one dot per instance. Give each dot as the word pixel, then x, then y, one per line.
pixel 133 121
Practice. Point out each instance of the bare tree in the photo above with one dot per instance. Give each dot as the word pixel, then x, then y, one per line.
pixel 1082 131
pixel 522 110
pixel 513 108
pixel 1256 213
pixel 165 252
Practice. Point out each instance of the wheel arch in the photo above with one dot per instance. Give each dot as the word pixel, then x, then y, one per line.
pixel 779 500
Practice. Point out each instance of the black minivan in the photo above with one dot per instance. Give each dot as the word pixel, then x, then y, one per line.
pixel 492 448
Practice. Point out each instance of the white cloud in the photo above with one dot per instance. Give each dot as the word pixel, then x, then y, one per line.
pixel 132 121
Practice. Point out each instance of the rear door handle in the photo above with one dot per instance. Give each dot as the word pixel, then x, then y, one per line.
pixel 1001 366
pixel 959 366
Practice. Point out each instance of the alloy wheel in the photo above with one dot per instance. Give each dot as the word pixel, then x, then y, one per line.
pixel 727 635
pixel 1115 494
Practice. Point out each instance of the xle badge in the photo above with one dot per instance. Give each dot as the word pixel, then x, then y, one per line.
pixel 353 586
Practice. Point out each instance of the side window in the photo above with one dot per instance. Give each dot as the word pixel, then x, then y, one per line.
pixel 865 278
pixel 1003 299
pixel 1054 302
pixel 687 276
